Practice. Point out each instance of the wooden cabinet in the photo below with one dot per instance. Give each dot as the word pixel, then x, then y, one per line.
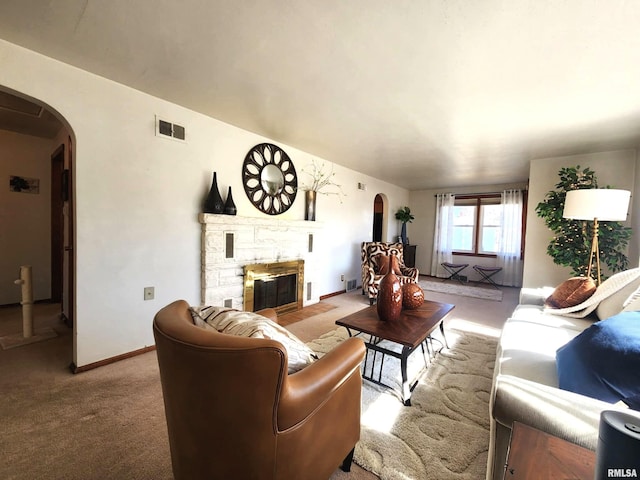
pixel 534 454
pixel 409 255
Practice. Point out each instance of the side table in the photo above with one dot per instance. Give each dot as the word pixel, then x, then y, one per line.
pixel 534 455
pixel 409 255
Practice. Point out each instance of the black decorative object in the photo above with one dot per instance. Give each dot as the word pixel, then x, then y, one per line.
pixel 269 179
pixel 214 203
pixel 618 445
pixel 229 206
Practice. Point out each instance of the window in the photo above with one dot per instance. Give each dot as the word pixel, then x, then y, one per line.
pixel 477 224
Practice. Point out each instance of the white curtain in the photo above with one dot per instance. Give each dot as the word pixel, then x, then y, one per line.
pixel 511 238
pixel 443 235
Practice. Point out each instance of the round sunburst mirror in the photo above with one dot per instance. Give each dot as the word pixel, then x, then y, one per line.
pixel 269 179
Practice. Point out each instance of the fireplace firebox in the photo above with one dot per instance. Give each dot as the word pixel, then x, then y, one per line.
pixel 274 285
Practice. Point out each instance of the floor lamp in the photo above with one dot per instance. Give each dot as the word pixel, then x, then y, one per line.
pixel 596 204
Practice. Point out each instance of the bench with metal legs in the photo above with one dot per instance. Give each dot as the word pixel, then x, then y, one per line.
pixel 454 270
pixel 486 273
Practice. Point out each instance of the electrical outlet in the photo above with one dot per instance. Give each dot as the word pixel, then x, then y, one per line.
pixel 149 293
pixel 342 278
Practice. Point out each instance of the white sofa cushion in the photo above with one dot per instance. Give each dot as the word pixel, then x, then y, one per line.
pixel 538 314
pixel 528 350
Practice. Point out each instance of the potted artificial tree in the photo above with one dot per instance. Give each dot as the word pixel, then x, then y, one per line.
pixel 404 215
pixel 571 242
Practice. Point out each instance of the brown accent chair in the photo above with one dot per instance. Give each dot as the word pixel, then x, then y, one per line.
pixel 371 276
pixel 233 411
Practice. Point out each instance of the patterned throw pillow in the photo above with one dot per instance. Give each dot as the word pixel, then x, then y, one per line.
pixel 249 324
pixel 571 292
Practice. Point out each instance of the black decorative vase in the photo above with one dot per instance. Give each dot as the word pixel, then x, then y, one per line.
pixel 214 203
pixel 229 206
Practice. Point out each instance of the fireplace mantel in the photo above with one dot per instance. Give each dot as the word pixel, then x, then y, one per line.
pixel 251 241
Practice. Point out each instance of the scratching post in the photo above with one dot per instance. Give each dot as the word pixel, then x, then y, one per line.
pixel 28 335
pixel 27 300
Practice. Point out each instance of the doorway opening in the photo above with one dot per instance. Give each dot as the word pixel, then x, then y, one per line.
pixel 42 140
pixel 378 215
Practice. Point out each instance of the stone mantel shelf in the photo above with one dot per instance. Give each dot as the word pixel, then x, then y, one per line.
pixel 221 219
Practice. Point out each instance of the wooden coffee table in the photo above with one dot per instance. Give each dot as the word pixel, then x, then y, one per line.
pixel 411 331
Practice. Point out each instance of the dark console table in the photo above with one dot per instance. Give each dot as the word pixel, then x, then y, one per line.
pixel 409 255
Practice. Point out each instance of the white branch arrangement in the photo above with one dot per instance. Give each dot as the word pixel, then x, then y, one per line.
pixel 321 179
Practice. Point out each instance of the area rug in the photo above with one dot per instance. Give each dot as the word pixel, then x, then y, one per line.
pixel 444 434
pixel 460 289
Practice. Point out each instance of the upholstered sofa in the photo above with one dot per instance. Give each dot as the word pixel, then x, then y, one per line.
pixel 371 269
pixel 525 383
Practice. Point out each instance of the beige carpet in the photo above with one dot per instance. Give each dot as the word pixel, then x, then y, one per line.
pixel 444 434
pixel 108 423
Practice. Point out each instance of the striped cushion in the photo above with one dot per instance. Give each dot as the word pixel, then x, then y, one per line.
pixel 249 324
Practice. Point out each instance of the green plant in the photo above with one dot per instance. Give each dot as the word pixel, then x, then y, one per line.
pixel 571 244
pixel 404 215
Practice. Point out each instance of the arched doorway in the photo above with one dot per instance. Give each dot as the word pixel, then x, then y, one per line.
pixel 378 218
pixel 41 146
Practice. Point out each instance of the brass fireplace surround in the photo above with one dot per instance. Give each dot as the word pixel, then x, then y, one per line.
pixel 263 271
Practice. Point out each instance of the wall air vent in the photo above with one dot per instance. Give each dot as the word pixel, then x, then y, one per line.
pixel 352 285
pixel 170 130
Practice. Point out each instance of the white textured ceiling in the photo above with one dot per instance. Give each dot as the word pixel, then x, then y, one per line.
pixel 420 93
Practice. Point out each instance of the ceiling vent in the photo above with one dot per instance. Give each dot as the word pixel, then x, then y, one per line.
pixel 170 130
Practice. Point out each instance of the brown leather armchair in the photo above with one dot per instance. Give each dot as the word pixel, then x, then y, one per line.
pixel 233 411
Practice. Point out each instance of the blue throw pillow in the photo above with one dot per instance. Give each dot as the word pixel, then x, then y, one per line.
pixel 603 362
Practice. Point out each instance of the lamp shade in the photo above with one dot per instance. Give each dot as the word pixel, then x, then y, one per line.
pixel 601 203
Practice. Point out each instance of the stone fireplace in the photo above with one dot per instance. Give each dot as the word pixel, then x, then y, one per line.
pixel 278 254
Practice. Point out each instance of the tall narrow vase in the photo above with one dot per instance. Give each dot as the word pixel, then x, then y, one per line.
pixel 214 203
pixel 310 205
pixel 229 206
pixel 389 303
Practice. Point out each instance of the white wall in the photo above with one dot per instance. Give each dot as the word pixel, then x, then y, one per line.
pixel 137 199
pixel 421 230
pixel 616 169
pixel 25 218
